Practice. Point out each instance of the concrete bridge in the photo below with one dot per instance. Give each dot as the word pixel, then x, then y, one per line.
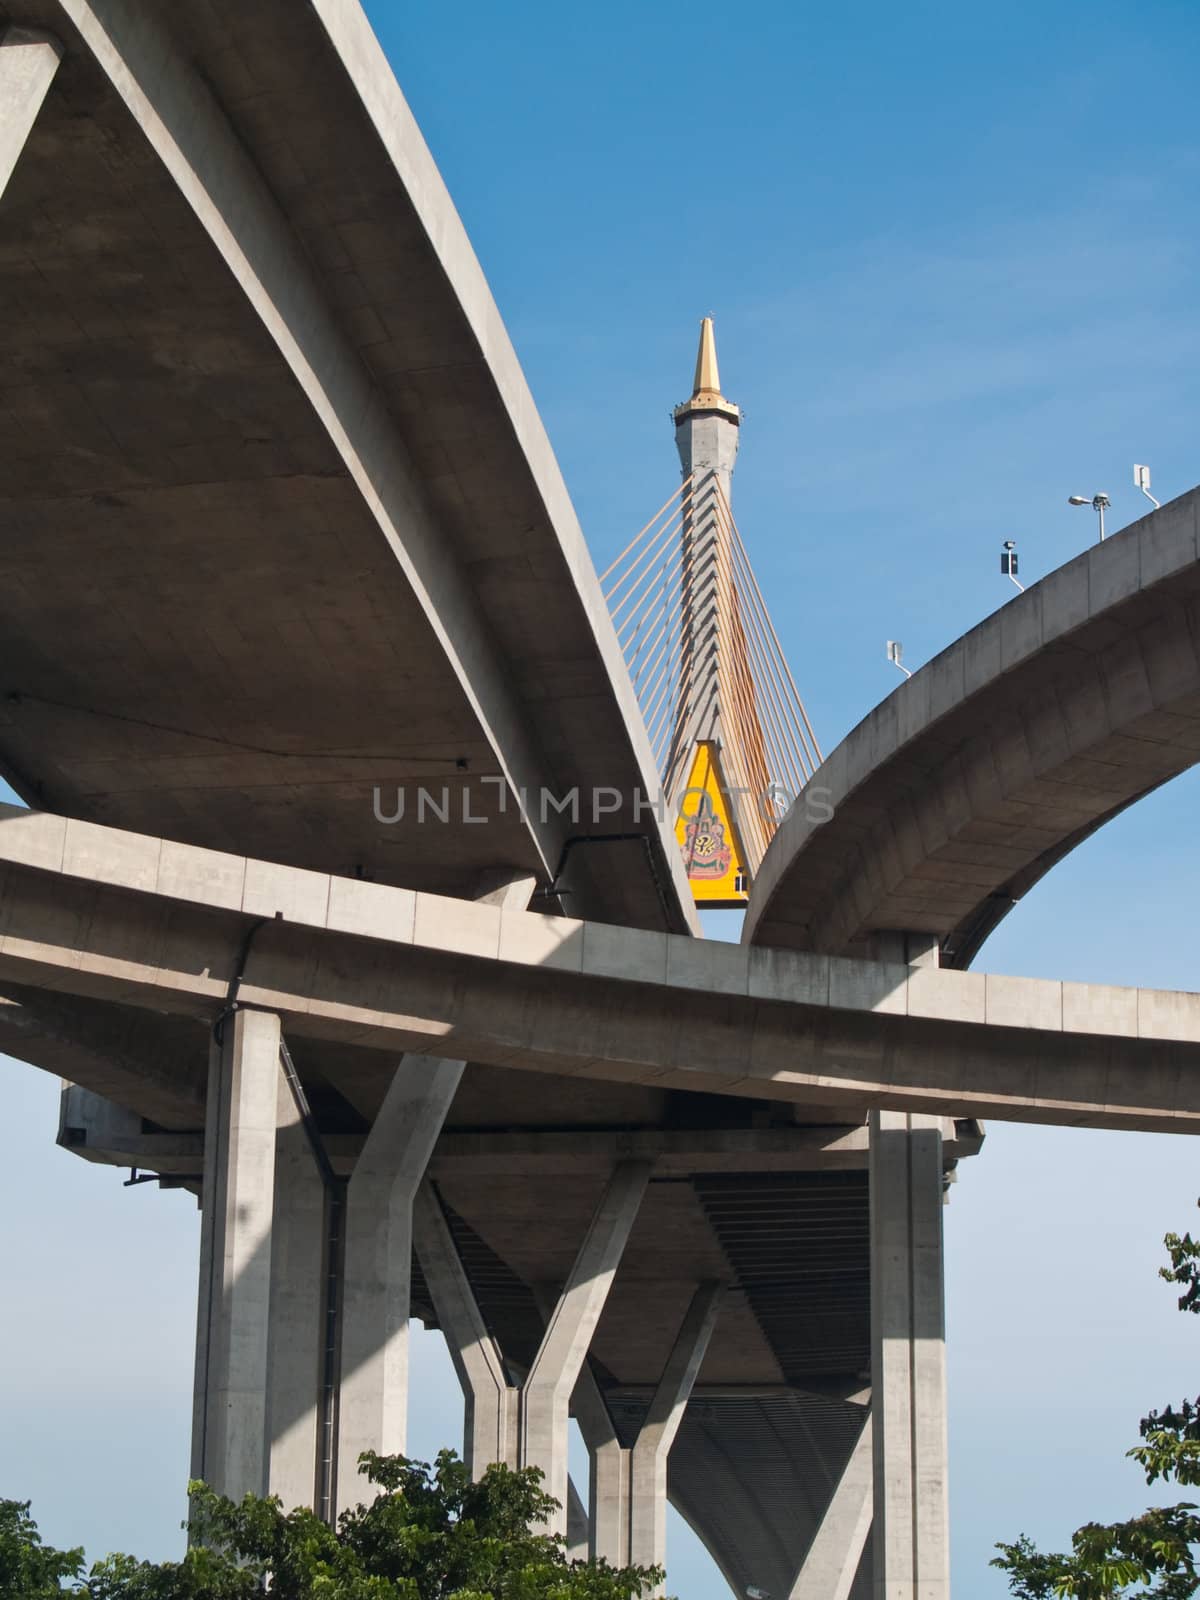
pixel 284 530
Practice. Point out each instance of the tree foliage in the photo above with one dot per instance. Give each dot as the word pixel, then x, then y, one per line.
pixel 1154 1554
pixel 430 1533
pixel 29 1569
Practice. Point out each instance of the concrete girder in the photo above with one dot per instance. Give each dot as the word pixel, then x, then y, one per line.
pixel 29 59
pixel 147 1065
pixel 382 967
pixel 191 135
pixel 120 1142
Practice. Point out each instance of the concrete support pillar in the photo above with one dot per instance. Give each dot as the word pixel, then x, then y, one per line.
pixel 648 1465
pixel 491 1403
pixel 908 1359
pixel 230 1448
pixel 373 1409
pixel 833 1558
pixel 555 1369
pixel 28 61
pixel 608 1476
pixel 296 1321
pixel 529 1427
pixel 577 1525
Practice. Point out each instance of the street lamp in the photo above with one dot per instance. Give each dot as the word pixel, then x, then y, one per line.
pixel 1098 502
pixel 1008 563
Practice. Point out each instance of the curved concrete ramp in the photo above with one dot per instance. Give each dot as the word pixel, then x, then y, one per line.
pixel 286 531
pixel 964 787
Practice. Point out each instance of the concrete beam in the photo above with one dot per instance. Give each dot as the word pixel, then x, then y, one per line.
pixel 554 1371
pixel 98 1130
pixel 189 132
pixel 230 1444
pixel 28 61
pixel 393 970
pixel 648 1465
pixel 908 1360
pixel 831 1564
pixel 145 1064
pixel 373 1406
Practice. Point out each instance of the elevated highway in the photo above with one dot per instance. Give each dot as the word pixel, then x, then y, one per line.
pixel 284 525
pixel 957 793
pixel 283 529
pixel 284 536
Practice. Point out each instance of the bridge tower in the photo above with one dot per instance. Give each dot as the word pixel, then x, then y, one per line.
pixel 717 776
pixel 707 433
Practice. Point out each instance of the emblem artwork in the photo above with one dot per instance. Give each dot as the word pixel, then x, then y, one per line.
pixel 706 851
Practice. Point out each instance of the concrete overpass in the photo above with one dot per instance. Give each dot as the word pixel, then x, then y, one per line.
pixel 286 531
pixel 957 793
pixel 285 523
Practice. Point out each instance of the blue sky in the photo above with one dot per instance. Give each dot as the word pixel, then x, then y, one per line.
pixel 951 251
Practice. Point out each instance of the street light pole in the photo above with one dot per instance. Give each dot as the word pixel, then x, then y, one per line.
pixel 1098 502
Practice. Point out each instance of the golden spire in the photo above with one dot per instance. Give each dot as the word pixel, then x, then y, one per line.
pixel 708 379
pixel 706 391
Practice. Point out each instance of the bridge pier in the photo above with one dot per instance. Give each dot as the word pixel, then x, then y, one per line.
pixel 278 1292
pixel 908 1358
pixel 295 1409
pixel 833 1558
pixel 648 1458
pixel 608 1474
pixel 529 1426
pixel 490 1401
pixel 373 1406
pixel 230 1447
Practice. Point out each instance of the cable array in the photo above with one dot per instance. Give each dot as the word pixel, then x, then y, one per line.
pixel 692 623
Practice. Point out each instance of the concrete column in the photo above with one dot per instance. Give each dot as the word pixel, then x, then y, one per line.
pixel 648 1467
pixel 609 1472
pixel 229 1431
pixel 373 1408
pixel 908 1359
pixel 546 1395
pixel 491 1403
pixel 297 1324
pixel 28 61
pixel 833 1558
pixel 577 1525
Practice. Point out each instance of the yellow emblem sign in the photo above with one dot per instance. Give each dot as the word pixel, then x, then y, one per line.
pixel 712 853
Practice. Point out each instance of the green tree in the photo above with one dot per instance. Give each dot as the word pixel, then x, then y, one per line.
pixel 1154 1554
pixel 29 1569
pixel 430 1533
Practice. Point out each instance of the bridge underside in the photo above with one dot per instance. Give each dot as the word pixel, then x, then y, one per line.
pixel 211 630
